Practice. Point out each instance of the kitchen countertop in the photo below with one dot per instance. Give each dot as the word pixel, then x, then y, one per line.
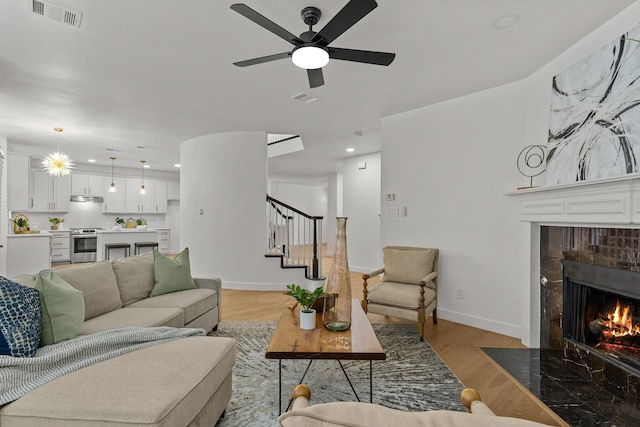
pixel 125 230
pixel 42 233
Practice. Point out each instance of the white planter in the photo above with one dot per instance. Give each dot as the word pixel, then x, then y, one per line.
pixel 308 320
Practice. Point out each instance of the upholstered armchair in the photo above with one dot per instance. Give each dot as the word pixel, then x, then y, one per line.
pixel 409 287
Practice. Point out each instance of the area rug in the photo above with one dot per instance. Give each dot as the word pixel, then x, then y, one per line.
pixel 412 378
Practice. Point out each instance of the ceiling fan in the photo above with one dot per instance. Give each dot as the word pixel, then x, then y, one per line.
pixel 311 50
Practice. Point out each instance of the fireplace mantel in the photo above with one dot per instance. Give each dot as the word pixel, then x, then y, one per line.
pixel 613 202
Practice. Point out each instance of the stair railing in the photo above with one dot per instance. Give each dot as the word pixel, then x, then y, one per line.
pixel 294 236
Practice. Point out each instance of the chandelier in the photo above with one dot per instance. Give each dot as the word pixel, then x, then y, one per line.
pixel 57 164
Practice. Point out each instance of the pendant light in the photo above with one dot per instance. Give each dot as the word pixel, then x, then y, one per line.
pixel 57 164
pixel 112 188
pixel 142 190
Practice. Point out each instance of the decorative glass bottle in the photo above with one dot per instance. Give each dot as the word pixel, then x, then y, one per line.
pixel 336 315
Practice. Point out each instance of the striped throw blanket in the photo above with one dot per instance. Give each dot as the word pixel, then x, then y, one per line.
pixel 20 375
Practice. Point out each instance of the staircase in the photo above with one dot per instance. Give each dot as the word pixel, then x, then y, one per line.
pixel 295 237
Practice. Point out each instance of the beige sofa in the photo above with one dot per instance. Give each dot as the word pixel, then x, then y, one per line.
pixel 356 414
pixel 185 382
pixel 116 294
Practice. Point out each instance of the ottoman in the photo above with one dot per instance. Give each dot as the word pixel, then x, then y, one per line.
pixel 186 382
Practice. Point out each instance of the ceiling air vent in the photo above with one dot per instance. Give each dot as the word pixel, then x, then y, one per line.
pixel 305 97
pixel 55 13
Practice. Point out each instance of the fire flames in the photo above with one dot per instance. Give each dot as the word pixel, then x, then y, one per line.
pixel 619 323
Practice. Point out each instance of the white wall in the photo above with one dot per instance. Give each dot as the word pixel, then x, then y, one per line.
pixel 334 209
pixel 172 221
pixel 228 240
pixel 4 227
pixel 310 199
pixel 449 165
pixel 361 204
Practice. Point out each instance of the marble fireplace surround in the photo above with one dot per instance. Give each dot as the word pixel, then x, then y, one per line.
pixel 555 215
pixel 607 203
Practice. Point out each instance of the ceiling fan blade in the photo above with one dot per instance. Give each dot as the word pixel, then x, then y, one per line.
pixel 315 77
pixel 366 56
pixel 262 59
pixel 351 13
pixel 265 23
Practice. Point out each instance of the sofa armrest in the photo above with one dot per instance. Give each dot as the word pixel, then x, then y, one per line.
pixel 373 273
pixel 471 400
pixel 428 281
pixel 214 283
pixel 301 397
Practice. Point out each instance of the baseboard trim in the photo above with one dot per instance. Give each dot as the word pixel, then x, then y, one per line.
pixel 261 286
pixel 363 270
pixel 481 323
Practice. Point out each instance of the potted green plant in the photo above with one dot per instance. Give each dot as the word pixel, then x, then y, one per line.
pixel 55 222
pixel 306 299
pixel 21 225
pixel 119 222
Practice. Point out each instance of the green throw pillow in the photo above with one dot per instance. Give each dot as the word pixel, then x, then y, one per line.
pixel 171 275
pixel 62 308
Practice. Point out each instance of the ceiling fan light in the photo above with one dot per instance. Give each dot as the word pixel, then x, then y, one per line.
pixel 310 57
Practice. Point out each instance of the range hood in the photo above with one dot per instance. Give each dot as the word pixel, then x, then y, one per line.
pixel 87 199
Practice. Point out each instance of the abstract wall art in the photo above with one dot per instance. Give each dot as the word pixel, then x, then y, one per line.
pixel 594 126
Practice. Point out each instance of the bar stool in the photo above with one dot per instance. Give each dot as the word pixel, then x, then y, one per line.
pixel 109 246
pixel 139 245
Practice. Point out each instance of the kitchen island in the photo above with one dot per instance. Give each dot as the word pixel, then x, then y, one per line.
pixel 123 235
pixel 28 253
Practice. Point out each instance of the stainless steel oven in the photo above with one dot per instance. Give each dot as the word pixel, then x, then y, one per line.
pixel 84 243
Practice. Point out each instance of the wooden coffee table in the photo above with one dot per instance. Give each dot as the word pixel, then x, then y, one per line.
pixel 357 343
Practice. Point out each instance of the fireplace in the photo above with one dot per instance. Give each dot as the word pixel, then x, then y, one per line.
pixel 596 223
pixel 601 312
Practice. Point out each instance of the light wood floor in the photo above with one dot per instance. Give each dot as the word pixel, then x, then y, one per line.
pixel 458 345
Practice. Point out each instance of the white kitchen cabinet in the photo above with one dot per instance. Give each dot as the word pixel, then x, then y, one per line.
pixel 28 253
pixel 86 185
pixel 60 245
pixel 173 190
pixel 160 196
pixel 164 240
pixel 50 193
pixel 114 202
pixel 140 203
pixel 18 181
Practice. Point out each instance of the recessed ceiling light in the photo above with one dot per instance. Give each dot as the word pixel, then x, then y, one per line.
pixel 506 21
pixel 146 166
pixel 177 165
pixel 350 150
pixel 91 160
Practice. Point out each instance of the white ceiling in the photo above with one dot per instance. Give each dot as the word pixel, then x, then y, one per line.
pixel 155 73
